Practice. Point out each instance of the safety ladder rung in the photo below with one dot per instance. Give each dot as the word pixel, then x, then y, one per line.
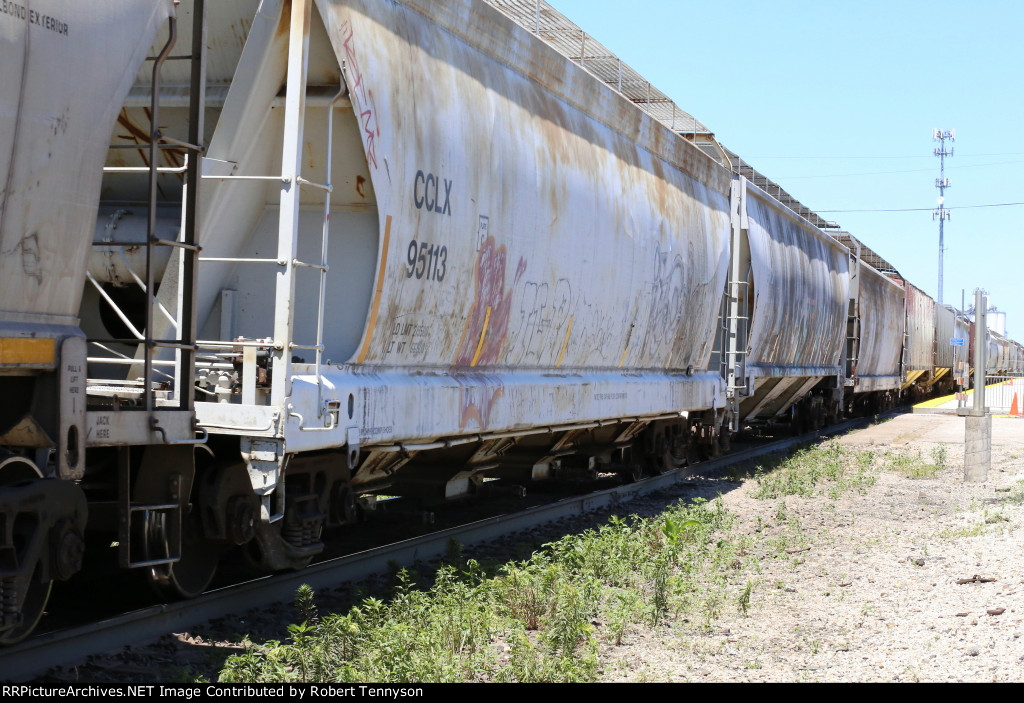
pixel 175 57
pixel 173 243
pixel 240 260
pixel 142 145
pixel 164 139
pixel 156 507
pixel 320 267
pixel 153 562
pixel 163 343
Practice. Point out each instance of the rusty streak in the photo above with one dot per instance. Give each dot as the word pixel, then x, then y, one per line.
pixel 377 293
pixel 565 343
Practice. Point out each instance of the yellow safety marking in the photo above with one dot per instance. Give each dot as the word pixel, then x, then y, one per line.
pixel 936 402
pixel 376 296
pixel 483 333
pixel 565 343
pixel 622 360
pixel 27 350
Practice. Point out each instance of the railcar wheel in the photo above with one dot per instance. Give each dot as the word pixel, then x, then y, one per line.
pixel 166 476
pixel 37 595
pixel 36 592
pixel 192 573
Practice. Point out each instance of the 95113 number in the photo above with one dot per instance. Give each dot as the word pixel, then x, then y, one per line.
pixel 425 260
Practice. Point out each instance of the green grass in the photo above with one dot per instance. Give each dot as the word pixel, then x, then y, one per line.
pixel 913 465
pixel 827 469
pixel 539 620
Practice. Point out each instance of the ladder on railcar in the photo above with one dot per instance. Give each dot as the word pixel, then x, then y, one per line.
pixel 136 516
pixel 735 317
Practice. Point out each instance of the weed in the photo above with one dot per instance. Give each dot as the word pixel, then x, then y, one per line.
pixel 912 465
pixel 622 612
pixel 305 604
pixel 965 531
pixel 545 611
pixel 744 599
pixel 1016 496
pixel 829 464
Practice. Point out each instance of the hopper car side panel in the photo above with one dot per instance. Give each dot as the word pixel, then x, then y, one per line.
pixel 919 357
pixel 999 359
pixel 549 194
pixel 546 253
pixel 800 281
pixel 946 328
pixel 881 309
pixel 950 360
pixel 65 75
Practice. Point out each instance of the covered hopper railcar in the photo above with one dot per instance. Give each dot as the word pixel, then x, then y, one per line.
pixel 53 139
pixel 396 247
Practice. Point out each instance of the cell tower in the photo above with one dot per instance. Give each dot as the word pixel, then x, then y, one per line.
pixel 941 213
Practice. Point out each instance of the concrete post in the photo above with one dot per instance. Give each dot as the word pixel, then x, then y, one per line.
pixel 978 448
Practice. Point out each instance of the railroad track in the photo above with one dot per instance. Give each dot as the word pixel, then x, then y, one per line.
pixel 67 646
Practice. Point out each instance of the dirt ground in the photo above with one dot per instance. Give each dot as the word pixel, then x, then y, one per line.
pixel 915 579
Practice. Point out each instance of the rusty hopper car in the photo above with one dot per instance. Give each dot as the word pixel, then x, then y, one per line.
pixel 792 283
pixel 919 352
pixel 951 327
pixel 435 250
pixel 66 76
pixel 442 251
pixel 876 337
pixel 356 247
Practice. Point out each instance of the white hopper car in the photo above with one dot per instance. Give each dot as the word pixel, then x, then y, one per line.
pixel 346 247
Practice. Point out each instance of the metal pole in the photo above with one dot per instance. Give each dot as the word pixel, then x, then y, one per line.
pixel 978 424
pixel 980 349
pixel 941 135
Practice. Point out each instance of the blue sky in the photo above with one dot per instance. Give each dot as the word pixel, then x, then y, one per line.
pixel 836 102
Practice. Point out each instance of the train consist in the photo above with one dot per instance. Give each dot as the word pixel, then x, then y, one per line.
pixel 348 247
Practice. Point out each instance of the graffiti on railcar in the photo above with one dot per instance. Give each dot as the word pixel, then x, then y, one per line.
pixel 487 324
pixel 476 403
pixel 361 94
pixel 542 316
pixel 665 299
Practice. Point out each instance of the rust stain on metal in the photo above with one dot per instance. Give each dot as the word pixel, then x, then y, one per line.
pixel 285 24
pixel 492 303
pixel 377 293
pixel 360 185
pixel 565 343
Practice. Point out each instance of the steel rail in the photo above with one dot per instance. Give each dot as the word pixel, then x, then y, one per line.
pixel 67 647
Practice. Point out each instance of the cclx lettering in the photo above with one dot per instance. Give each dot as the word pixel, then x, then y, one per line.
pixel 426 193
